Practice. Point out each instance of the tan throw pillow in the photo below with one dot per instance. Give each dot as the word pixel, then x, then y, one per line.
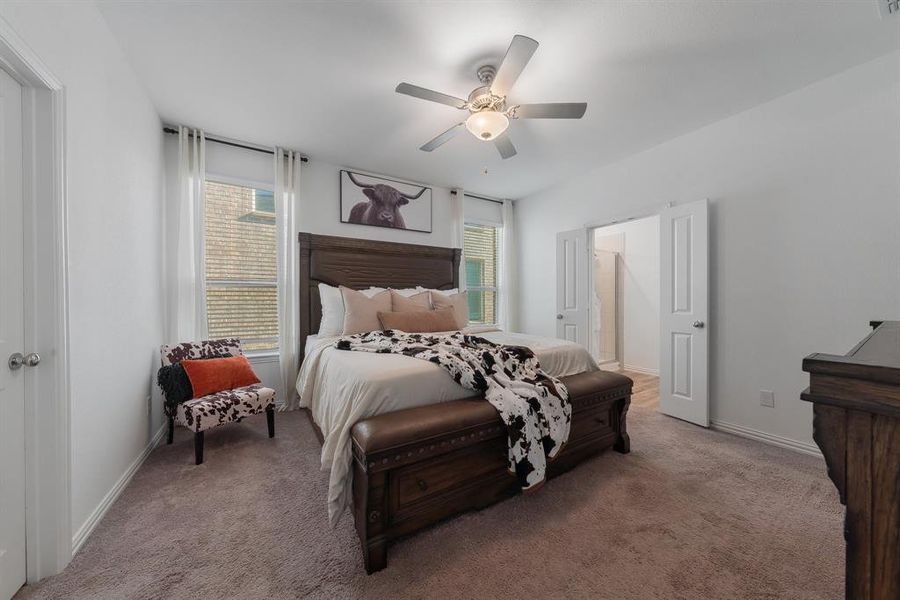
pixel 400 303
pixel 361 311
pixel 419 321
pixel 458 302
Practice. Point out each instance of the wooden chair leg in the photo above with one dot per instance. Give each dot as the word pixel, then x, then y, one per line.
pixel 171 435
pixel 270 420
pixel 198 446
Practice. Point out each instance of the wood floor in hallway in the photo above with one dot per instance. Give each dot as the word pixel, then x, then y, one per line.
pixel 645 392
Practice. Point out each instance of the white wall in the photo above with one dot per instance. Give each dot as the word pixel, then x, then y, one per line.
pixel 319 209
pixel 320 212
pixel 804 219
pixel 114 172
pixel 320 194
pixel 639 292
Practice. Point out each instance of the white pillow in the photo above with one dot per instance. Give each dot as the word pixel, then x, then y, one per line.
pixel 407 292
pixel 333 309
pixel 449 292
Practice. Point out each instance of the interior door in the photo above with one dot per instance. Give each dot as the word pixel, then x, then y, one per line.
pixel 684 306
pixel 12 334
pixel 572 281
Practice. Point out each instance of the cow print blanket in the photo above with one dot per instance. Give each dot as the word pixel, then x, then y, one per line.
pixel 534 405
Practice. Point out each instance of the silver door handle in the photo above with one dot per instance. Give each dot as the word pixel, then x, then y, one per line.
pixel 560 317
pixel 17 361
pixel 698 324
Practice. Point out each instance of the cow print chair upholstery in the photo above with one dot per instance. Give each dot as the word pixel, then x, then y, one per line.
pixel 221 408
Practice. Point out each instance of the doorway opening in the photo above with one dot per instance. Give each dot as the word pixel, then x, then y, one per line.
pixel 624 271
pixel 636 293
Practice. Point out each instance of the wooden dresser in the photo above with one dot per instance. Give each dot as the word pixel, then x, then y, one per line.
pixel 856 405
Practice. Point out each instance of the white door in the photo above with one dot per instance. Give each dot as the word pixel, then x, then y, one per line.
pixel 572 283
pixel 684 305
pixel 12 334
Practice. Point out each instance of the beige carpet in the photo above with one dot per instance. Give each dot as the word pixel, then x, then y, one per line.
pixel 689 513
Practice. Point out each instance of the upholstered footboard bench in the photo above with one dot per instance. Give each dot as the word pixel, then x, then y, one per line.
pixel 414 467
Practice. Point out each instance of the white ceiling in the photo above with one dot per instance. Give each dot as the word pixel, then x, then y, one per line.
pixel 320 77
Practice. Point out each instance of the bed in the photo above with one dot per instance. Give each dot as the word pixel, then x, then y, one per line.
pixel 404 444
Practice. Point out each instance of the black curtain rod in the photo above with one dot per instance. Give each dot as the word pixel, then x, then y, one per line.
pixel 453 193
pixel 234 144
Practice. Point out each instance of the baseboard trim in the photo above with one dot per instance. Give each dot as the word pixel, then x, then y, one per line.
pixel 641 370
pixel 112 495
pixel 766 438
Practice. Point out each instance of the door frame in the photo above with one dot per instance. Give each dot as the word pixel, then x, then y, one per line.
pixel 592 228
pixel 48 529
pixel 635 216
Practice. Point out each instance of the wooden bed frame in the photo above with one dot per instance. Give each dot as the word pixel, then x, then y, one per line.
pixel 415 467
pixel 359 264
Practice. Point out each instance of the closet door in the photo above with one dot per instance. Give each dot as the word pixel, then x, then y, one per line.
pixel 684 312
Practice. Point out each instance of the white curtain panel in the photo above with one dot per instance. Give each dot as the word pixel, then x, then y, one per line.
pixel 186 314
pixel 287 197
pixel 458 230
pixel 508 270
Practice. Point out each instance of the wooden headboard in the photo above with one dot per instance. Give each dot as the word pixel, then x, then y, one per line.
pixel 359 264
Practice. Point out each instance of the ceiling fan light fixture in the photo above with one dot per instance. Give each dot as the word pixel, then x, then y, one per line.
pixel 487 124
pixel 487 104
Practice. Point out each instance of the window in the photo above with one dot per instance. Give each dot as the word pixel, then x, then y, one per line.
pixel 481 253
pixel 241 280
pixel 264 202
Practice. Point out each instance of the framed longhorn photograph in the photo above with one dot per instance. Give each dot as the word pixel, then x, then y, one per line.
pixel 380 202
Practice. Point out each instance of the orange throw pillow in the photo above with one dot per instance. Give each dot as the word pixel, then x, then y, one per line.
pixel 219 374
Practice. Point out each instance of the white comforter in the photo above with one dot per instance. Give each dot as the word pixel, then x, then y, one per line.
pixel 341 388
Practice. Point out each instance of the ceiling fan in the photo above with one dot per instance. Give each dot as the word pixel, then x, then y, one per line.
pixel 487 104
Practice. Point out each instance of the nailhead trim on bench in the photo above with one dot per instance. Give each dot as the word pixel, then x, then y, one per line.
pixel 428 448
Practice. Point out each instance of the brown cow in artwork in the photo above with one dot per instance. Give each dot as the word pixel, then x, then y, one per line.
pixel 383 207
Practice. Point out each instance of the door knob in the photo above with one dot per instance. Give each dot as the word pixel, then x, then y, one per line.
pixel 17 361
pixel 698 324
pixel 559 316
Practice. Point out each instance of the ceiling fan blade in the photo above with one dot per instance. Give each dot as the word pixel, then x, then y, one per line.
pixel 426 94
pixel 552 110
pixel 505 146
pixel 442 138
pixel 517 56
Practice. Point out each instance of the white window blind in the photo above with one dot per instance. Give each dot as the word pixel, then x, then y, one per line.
pixel 479 210
pixel 241 280
pixel 481 256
